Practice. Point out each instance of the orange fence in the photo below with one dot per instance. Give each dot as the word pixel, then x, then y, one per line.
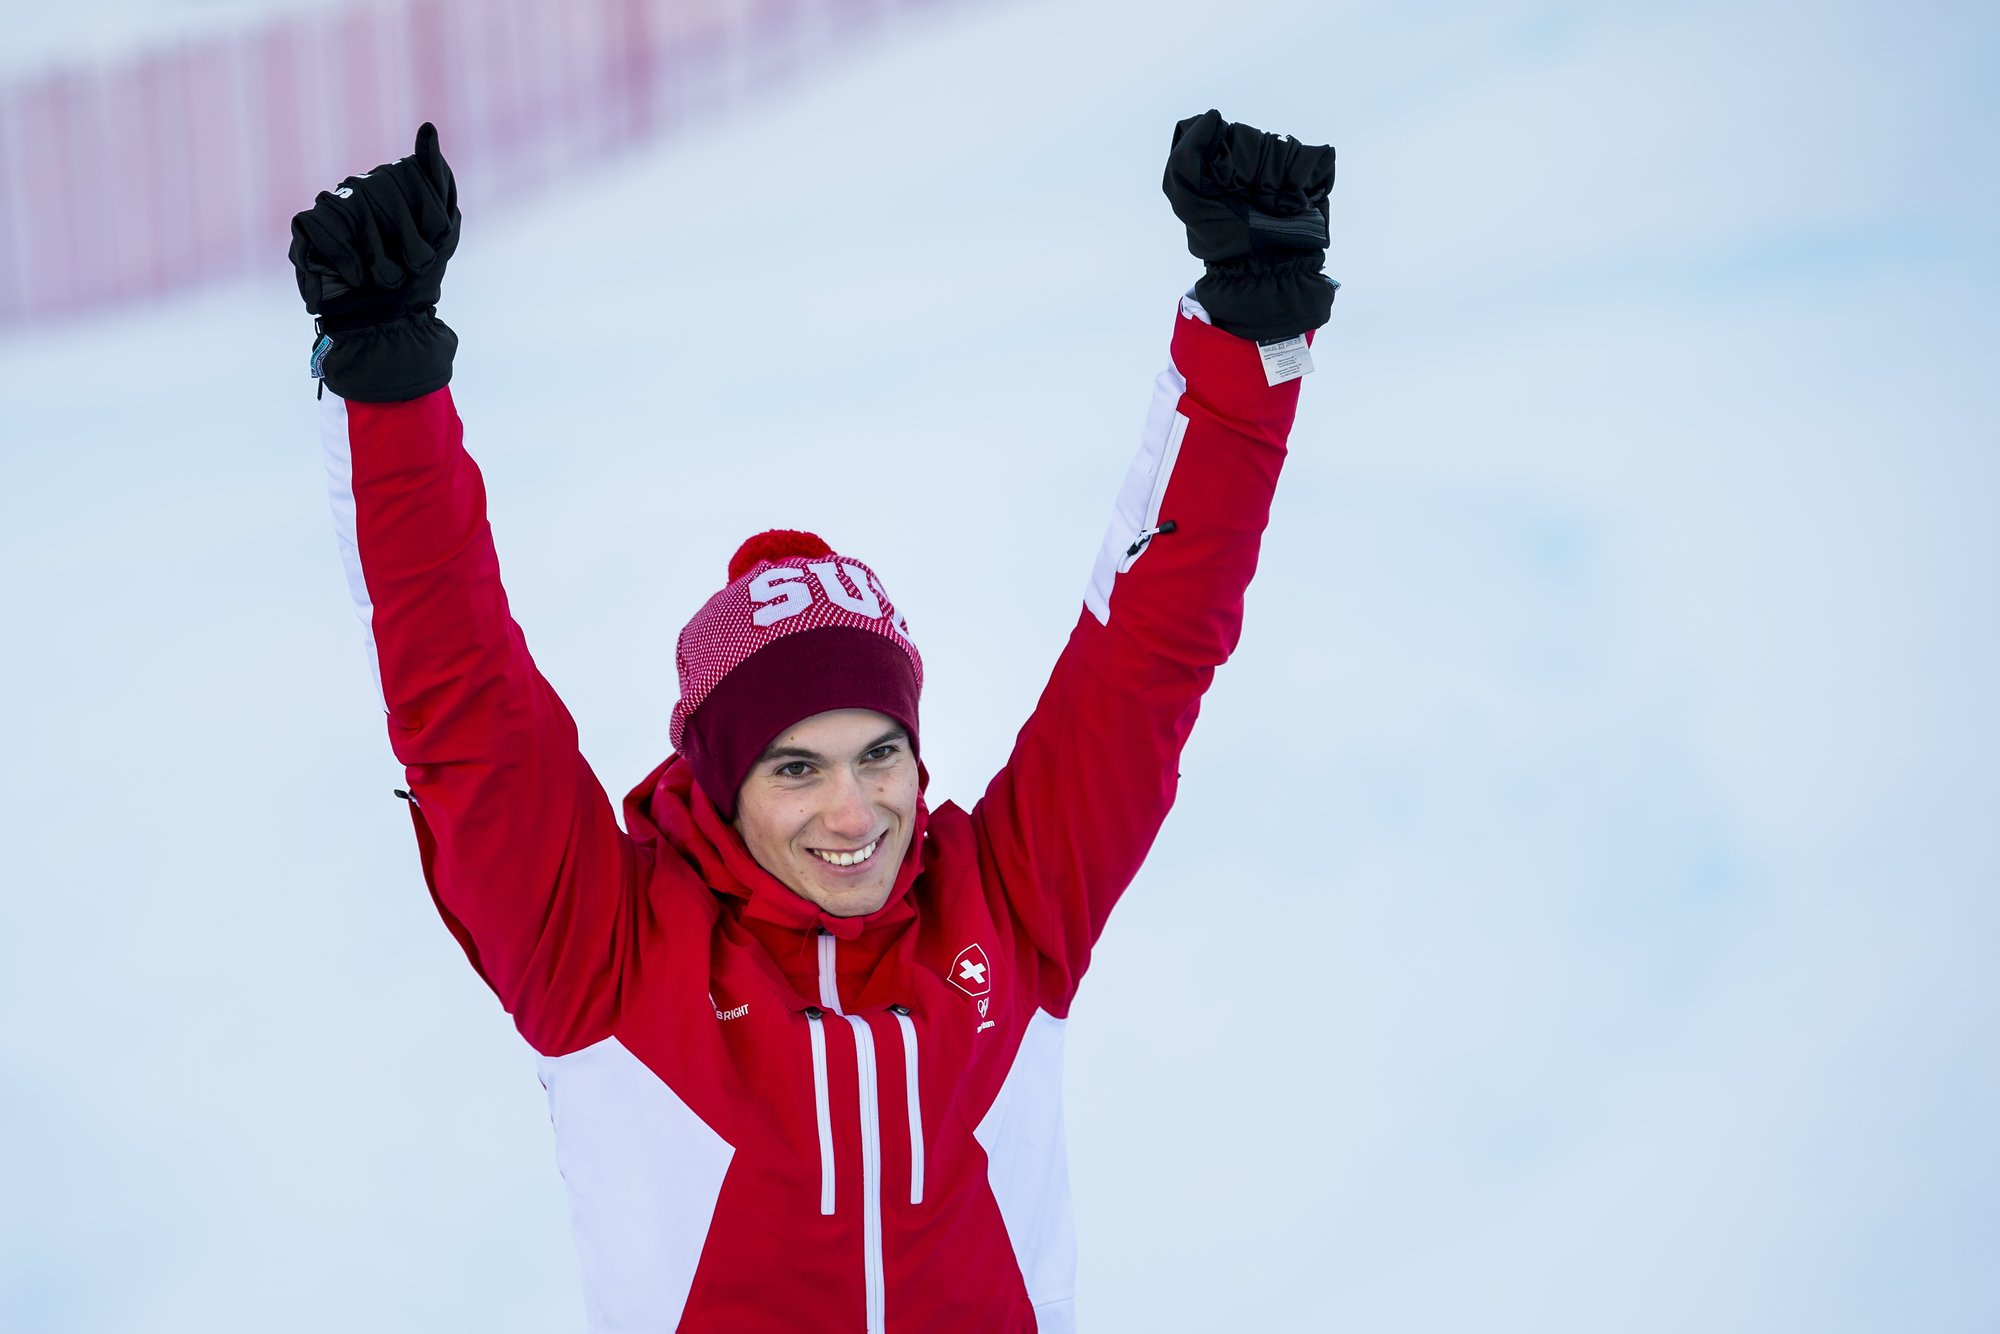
pixel 185 164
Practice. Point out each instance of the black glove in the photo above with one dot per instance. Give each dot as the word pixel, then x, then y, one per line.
pixel 370 256
pixel 1255 209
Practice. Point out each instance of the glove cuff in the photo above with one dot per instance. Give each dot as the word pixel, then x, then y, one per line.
pixel 387 363
pixel 1265 301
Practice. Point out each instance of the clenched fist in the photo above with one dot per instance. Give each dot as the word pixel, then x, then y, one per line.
pixel 1255 205
pixel 370 256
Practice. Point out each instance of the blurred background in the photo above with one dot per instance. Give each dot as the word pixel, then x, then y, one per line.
pixel 1581 910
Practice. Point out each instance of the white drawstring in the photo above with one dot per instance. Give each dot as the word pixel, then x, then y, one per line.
pixel 915 1100
pixel 871 1173
pixel 824 1112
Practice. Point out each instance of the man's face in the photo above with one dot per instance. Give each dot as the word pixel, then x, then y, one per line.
pixel 833 788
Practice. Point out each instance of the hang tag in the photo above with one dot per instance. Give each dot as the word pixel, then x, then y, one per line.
pixel 1285 359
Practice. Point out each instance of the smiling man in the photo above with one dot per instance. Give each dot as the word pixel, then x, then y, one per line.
pixel 830 807
pixel 802 1035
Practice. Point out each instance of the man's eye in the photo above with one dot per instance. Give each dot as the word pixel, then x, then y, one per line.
pixel 792 769
pixel 882 752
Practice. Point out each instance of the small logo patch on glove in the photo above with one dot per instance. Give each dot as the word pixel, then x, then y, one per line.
pixel 325 345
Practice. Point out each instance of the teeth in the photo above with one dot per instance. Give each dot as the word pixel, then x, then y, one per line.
pixel 847 858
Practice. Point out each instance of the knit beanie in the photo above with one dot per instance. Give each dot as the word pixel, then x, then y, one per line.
pixel 796 631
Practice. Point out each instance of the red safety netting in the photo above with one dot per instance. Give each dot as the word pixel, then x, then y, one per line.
pixel 183 164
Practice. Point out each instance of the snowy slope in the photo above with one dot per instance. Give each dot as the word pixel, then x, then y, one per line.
pixel 1579 914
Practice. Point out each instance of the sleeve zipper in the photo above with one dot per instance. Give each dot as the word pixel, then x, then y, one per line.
pixel 1147 535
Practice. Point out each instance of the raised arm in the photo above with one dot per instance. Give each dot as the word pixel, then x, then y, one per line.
pixel 1070 818
pixel 519 844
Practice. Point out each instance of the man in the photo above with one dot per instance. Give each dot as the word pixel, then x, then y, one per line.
pixel 801 1035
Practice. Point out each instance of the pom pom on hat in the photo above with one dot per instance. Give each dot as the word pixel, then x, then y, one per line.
pixel 775 545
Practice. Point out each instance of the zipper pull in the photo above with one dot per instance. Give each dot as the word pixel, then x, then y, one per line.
pixel 1147 535
pixel 814 1013
pixel 900 1009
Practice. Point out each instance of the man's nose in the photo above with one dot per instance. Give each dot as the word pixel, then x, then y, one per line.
pixel 851 815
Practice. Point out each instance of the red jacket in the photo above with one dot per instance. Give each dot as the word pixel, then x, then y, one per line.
pixel 769 1119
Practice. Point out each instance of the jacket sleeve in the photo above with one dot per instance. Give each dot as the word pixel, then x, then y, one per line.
pixel 1066 824
pixel 522 853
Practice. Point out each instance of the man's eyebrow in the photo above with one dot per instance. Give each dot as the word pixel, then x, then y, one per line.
pixel 801 753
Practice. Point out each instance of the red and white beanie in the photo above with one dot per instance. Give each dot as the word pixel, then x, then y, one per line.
pixel 798 630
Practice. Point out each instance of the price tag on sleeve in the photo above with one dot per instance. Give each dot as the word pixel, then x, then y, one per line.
pixel 1285 359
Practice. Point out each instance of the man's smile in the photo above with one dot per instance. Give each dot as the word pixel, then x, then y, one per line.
pixel 855 858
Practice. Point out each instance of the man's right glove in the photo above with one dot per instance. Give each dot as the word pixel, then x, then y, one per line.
pixel 1256 214
pixel 370 257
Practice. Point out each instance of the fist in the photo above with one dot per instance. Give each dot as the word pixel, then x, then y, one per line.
pixel 374 248
pixel 1245 194
pixel 1256 215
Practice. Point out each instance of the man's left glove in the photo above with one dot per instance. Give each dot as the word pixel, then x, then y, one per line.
pixel 1256 214
pixel 370 256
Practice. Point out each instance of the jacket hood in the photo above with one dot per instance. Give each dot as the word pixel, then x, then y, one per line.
pixel 669 810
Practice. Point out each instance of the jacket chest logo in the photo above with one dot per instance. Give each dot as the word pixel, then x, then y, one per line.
pixel 971 973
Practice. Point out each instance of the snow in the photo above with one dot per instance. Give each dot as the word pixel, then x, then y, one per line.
pixel 1580 911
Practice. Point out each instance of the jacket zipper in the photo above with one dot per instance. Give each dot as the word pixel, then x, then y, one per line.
pixel 1170 454
pixel 1146 536
pixel 829 982
pixel 872 1280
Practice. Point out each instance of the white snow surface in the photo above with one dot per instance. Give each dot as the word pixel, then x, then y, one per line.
pixel 1581 909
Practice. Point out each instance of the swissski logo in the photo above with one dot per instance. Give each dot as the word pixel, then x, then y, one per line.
pixel 970 973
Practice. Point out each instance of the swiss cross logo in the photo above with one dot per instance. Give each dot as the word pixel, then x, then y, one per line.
pixel 968 971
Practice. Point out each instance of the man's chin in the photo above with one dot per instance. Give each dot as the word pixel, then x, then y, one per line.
pixel 850 900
